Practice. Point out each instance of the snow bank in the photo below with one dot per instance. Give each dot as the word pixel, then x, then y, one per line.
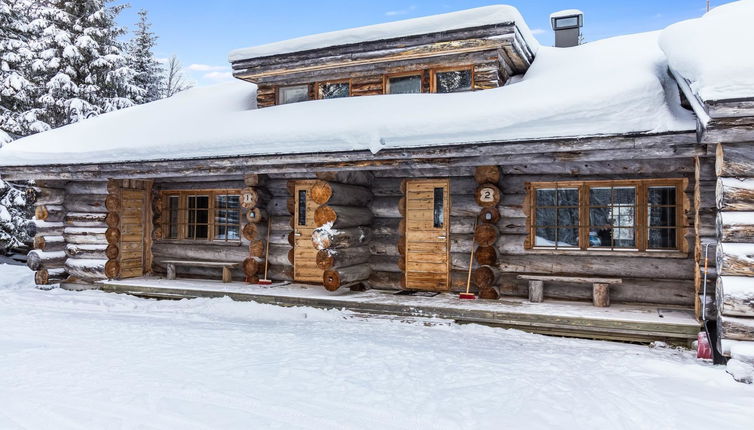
pixel 488 15
pixel 15 276
pixel 613 86
pixel 714 52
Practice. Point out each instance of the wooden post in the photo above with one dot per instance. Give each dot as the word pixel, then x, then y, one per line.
pixel 171 271
pixel 536 291
pixel 226 275
pixel 601 295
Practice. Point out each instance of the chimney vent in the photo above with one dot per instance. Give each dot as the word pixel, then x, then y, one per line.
pixel 567 26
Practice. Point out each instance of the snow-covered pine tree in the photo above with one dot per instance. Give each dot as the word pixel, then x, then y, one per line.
pixel 16 210
pixel 19 87
pixel 148 71
pixel 88 72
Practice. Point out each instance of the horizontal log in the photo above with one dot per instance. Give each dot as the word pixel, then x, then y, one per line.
pixel 88 270
pixel 208 252
pixel 736 160
pixel 486 276
pixel 735 296
pixel 385 207
pixel 486 255
pixel 487 174
pixel 737 227
pixel 98 252
pixel 335 278
pixel 363 178
pixel 734 194
pixel 253 231
pixel 278 207
pixel 342 216
pixel 47 228
pixel 37 259
pixel 49 243
pixel 736 328
pixel 486 234
pixel 87 203
pixel 49 213
pixel 333 193
pixel 280 272
pixel 49 276
pixel 337 238
pixel 735 259
pixel 253 179
pixel 338 258
pixel 50 196
pixel 85 219
pixel 278 255
pixel 623 267
pixel 86 188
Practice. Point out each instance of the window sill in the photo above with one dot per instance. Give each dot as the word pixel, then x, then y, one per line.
pixel 609 253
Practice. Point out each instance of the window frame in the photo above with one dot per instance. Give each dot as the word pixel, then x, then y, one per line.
pixel 386 80
pixel 318 85
pixel 308 93
pixel 433 77
pixel 641 215
pixel 182 227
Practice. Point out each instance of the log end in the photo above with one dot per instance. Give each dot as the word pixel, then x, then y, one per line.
pixel 331 280
pixel 324 215
pixel 325 259
pixel 321 192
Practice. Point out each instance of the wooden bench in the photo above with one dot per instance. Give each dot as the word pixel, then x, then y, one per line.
pixel 226 266
pixel 600 287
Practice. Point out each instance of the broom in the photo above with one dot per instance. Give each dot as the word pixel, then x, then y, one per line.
pixel 467 295
pixel 266 281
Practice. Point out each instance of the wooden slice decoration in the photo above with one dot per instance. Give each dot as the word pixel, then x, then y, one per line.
pixel 250 266
pixel 489 215
pixel 112 252
pixel 112 203
pixel 256 248
pixel 256 215
pixel 248 198
pixel 112 219
pixel 112 235
pixel 486 234
pixel 487 195
pixel 342 216
pixel 249 231
pixel 486 255
pixel 112 269
pixel 41 213
pixel 487 174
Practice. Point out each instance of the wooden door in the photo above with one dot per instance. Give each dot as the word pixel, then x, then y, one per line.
pixel 428 235
pixel 304 254
pixel 135 221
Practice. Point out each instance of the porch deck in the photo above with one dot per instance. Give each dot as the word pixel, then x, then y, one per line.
pixel 637 323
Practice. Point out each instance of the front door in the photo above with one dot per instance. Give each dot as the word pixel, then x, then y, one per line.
pixel 428 234
pixel 304 254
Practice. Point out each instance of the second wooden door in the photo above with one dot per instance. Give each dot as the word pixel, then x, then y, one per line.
pixel 427 235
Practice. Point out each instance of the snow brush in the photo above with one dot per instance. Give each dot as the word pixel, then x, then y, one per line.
pixel 467 295
pixel 266 281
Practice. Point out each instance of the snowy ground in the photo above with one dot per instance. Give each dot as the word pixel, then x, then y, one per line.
pixel 97 360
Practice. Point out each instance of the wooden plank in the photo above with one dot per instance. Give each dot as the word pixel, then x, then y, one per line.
pixel 575 279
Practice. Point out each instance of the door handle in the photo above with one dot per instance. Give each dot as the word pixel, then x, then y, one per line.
pixel 441 237
pixel 297 234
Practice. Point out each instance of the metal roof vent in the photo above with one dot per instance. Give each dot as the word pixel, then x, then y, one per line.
pixel 567 26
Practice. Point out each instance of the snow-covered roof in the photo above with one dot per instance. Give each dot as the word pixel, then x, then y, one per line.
pixel 715 53
pixel 613 86
pixel 487 15
pixel 564 13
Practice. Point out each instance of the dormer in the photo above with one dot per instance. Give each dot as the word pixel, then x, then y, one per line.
pixel 470 50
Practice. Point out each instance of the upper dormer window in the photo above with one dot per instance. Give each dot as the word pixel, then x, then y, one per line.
pixel 452 81
pixel 334 90
pixel 405 84
pixel 293 94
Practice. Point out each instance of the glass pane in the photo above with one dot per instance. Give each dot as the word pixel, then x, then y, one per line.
pixel 662 238
pixel 568 216
pixel 599 196
pixel 453 81
pixel 624 238
pixel 546 237
pixel 405 85
pixel 220 232
pixel 293 94
pixel 334 90
pixel 624 196
pixel 546 197
pixel 233 232
pixel 662 216
pixel 439 206
pixel 599 217
pixel 622 216
pixel 568 197
pixel 201 232
pixel 661 195
pixel 566 22
pixel 234 202
pixel 546 216
pixel 568 237
pixel 302 207
pixel 173 222
pixel 202 216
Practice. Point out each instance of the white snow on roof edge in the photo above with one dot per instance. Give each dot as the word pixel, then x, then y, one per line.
pixel 714 52
pixel 567 12
pixel 487 15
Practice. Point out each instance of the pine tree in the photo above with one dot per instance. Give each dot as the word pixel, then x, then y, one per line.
pixel 148 71
pixel 87 70
pixel 16 209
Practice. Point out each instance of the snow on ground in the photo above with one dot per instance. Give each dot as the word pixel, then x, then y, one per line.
pixel 612 86
pixel 714 52
pixel 477 17
pixel 98 360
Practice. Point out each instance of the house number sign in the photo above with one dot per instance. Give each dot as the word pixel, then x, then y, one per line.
pixel 248 198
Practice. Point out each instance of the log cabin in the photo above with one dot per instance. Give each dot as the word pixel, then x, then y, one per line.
pixel 419 155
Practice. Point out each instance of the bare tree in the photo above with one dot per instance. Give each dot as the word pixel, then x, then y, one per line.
pixel 175 79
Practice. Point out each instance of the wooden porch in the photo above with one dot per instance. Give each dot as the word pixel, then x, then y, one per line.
pixel 620 322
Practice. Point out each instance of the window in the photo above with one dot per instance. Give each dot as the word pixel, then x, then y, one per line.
pixel 207 215
pixel 568 22
pixel 607 215
pixel 302 207
pixel 293 94
pixel 409 84
pixel 334 90
pixel 439 207
pixel 451 81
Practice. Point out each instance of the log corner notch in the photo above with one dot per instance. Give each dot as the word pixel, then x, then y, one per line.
pixel 254 199
pixel 49 241
pixel 488 196
pixel 344 229
pixel 112 234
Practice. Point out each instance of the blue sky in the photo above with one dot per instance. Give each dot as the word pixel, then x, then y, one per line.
pixel 201 32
